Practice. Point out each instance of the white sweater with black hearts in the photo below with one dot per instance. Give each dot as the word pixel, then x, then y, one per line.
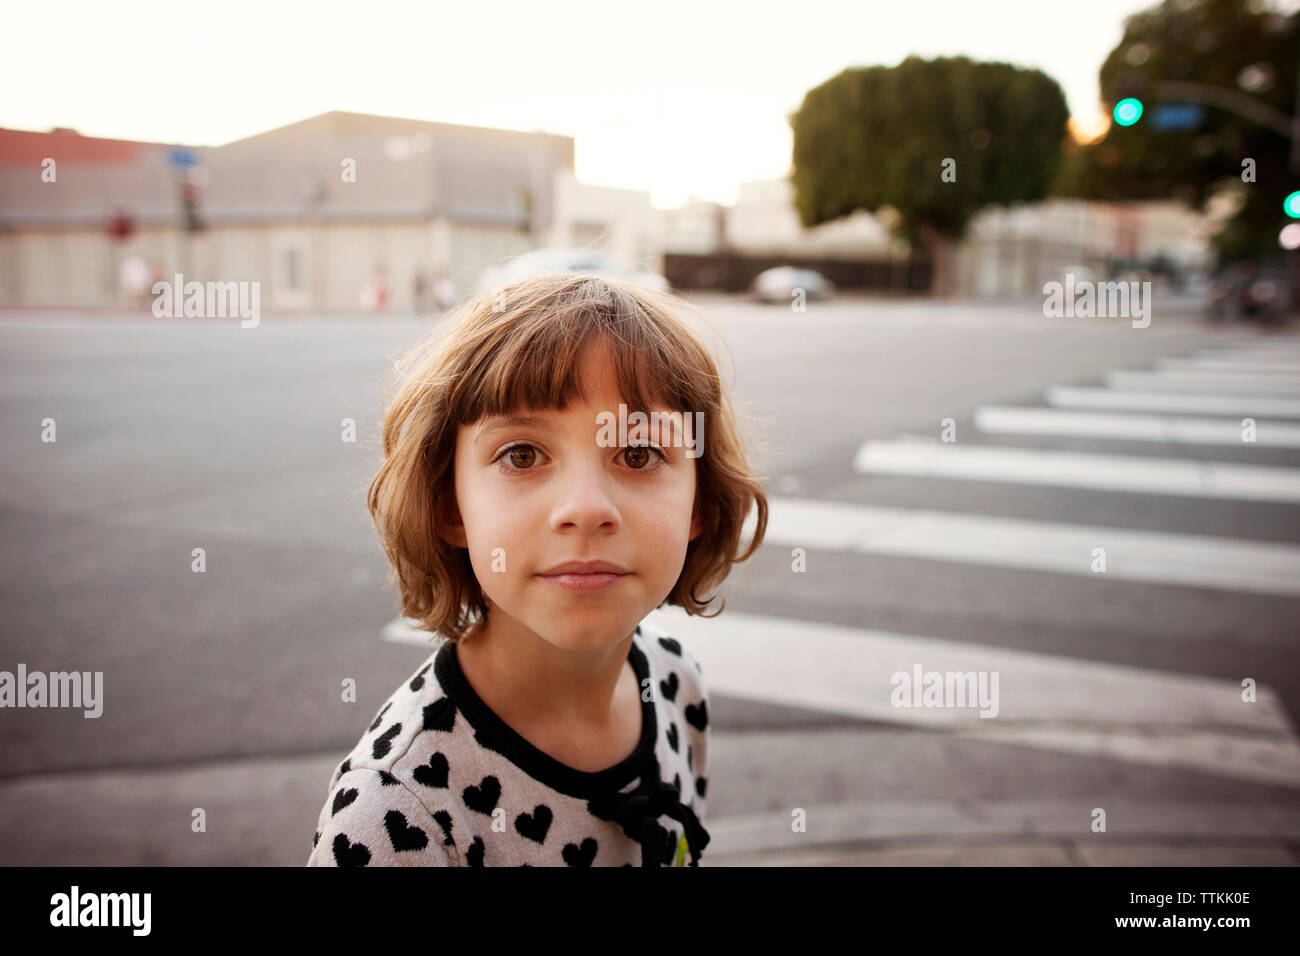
pixel 438 779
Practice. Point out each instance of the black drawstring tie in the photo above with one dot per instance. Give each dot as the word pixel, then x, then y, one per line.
pixel 639 810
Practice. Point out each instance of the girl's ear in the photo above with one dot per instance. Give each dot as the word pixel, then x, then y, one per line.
pixel 695 520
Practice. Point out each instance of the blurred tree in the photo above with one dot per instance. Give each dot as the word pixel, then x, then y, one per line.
pixel 1238 59
pixel 871 137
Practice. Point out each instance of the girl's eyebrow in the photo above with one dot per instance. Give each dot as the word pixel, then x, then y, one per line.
pixel 515 421
pixel 497 422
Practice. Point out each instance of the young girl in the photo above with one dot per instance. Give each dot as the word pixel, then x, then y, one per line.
pixel 533 519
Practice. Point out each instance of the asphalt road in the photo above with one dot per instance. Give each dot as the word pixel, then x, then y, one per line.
pixel 182 434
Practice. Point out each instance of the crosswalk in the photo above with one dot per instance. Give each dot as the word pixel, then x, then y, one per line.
pixel 1185 417
pixel 1190 413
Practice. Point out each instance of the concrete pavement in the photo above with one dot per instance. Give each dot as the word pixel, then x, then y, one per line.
pixel 262 812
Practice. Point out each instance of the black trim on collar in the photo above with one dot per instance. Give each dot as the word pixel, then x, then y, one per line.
pixel 495 734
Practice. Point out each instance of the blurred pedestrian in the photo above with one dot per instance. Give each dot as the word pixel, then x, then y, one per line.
pixel 374 296
pixel 137 280
pixel 421 293
pixel 444 290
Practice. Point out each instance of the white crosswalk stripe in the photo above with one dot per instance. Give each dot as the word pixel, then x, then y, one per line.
pixel 1268 366
pixel 1001 420
pixel 1260 567
pixel 1214 382
pixel 1156 476
pixel 1254 351
pixel 1256 406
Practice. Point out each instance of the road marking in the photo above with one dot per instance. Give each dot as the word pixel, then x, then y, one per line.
pixel 1239 364
pixel 1156 476
pixel 1247 405
pixel 1003 420
pixel 1052 817
pixel 404 630
pixel 1256 384
pixel 1185 560
pixel 1273 351
pixel 1045 701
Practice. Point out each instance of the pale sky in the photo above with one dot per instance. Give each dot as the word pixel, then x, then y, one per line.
pixel 677 98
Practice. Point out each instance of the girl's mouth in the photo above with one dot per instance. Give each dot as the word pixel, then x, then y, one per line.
pixel 571 581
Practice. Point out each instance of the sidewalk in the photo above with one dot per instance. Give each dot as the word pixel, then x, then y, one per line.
pixel 262 812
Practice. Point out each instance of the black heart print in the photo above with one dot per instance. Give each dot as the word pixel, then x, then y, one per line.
pixel 483 798
pixel 380 716
pixel 534 825
pixel 384 742
pixel 433 773
pixel 580 856
pixel 404 835
pixel 698 717
pixel 350 854
pixel 440 715
pixel 418 680
pixel 343 798
pixel 669 686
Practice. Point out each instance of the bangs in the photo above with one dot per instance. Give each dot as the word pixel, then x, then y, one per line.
pixel 533 362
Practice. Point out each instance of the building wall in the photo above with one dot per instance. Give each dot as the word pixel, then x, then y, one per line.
pixel 300 266
pixel 621 223
pixel 764 221
pixel 476 247
pixel 1012 252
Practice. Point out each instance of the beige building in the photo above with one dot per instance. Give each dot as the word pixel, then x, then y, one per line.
pixel 621 223
pixel 763 220
pixel 313 211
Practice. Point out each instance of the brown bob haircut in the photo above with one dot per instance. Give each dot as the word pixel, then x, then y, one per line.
pixel 518 348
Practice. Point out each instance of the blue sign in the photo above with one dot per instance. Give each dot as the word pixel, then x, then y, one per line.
pixel 182 158
pixel 1168 117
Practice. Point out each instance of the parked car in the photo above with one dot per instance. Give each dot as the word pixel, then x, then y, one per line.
pixel 543 261
pixel 1244 290
pixel 779 285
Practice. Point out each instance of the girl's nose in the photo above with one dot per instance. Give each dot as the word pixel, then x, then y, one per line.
pixel 584 502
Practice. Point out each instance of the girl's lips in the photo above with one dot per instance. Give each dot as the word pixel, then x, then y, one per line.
pixel 584 582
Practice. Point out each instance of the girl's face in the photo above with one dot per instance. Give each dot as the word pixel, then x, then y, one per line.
pixel 533 496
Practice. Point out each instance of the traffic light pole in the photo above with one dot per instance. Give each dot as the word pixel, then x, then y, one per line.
pixel 1244 106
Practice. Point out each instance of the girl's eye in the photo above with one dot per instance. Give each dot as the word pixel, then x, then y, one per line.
pixel 522 456
pixel 518 449
pixel 651 464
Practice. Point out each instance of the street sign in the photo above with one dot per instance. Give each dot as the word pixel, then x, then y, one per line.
pixel 1169 117
pixel 182 158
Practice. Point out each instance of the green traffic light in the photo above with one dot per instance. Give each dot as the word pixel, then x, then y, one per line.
pixel 1128 111
pixel 1291 205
